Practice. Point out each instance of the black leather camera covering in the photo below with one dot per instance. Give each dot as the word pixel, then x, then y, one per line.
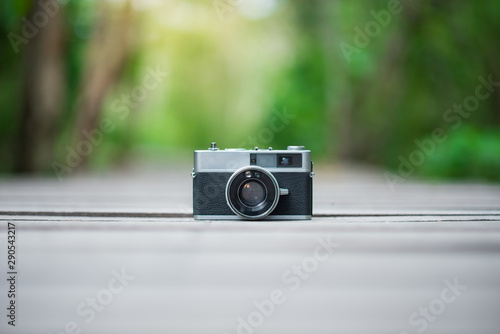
pixel 209 194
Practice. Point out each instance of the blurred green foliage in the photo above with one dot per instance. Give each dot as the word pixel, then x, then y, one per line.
pixel 468 153
pixel 231 70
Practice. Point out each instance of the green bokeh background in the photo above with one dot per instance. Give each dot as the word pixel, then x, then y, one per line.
pixel 232 65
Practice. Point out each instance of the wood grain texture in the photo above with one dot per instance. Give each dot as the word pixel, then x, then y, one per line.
pixel 395 250
pixel 339 191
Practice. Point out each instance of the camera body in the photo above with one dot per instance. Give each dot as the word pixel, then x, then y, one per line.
pixel 235 184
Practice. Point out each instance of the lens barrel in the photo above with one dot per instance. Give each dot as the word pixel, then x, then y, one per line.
pixel 252 192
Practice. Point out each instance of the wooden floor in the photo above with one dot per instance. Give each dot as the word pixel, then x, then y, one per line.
pixel 373 260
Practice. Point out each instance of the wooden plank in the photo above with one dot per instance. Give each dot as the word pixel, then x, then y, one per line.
pixel 337 192
pixel 395 251
pixel 200 277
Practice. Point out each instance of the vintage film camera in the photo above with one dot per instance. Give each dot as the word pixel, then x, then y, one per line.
pixel 269 184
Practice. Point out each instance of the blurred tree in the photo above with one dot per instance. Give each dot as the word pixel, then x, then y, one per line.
pixel 106 57
pixel 43 91
pixel 303 87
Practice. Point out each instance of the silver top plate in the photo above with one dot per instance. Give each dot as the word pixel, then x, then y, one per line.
pixel 230 160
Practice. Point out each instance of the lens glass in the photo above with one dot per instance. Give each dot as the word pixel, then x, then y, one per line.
pixel 252 193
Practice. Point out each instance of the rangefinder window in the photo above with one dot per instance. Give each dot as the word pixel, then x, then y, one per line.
pixel 290 160
pixel 266 160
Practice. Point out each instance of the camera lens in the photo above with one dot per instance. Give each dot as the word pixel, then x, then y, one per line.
pixel 252 193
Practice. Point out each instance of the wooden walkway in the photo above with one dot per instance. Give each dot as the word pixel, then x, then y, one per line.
pixel 120 253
